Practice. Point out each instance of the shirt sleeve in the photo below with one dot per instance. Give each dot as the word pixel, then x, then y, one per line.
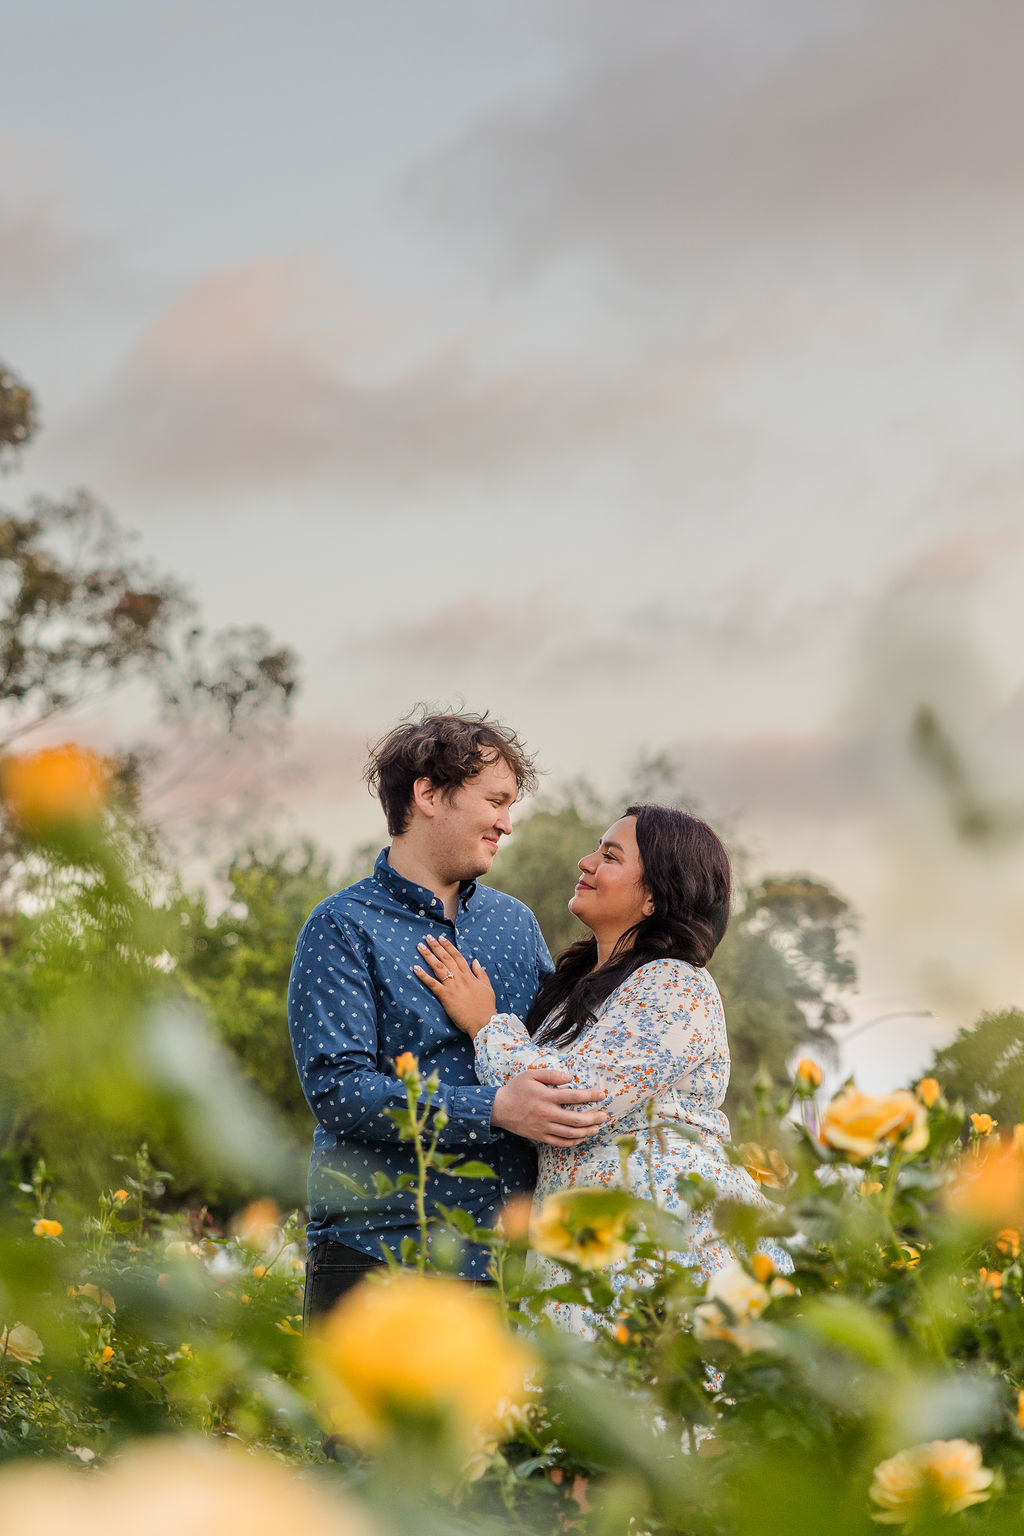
pixel 664 1023
pixel 332 1019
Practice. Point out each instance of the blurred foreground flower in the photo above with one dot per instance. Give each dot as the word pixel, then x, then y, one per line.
pixel 860 1124
pixel 582 1227
pixel 765 1165
pixel 514 1218
pixel 407 1068
pixel 259 1224
pixel 59 786
pixel 808 1073
pixel 418 1348
pixel 93 1293
pixel 986 1187
pixel 21 1344
pixel 167 1487
pixel 944 1475
pixel 734 1302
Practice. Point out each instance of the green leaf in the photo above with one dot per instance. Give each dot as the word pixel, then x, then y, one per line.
pixel 345 1182
pixel 472 1171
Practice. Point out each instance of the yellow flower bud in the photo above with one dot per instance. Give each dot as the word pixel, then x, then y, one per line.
pixel 808 1073
pixel 407 1068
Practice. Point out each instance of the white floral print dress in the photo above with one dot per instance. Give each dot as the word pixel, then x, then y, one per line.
pixel 659 1044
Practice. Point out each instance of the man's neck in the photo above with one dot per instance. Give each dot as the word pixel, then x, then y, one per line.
pixel 414 864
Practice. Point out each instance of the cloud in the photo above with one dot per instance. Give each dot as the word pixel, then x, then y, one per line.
pixel 264 376
pixel 712 132
pixel 46 256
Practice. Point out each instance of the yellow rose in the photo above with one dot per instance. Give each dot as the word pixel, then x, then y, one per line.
pixel 21 1343
pixel 168 1486
pixel 120 1195
pixel 581 1226
pixel 763 1266
pixel 407 1346
pixel 986 1187
pixel 943 1474
pixel 808 1073
pixel 929 1091
pixel 734 1302
pixel 1008 1242
pixel 984 1124
pixel 93 1293
pixel 870 1187
pixel 1020 1409
pixel 46 1228
pixel 258 1225
pixel 765 1165
pixel 860 1124
pixel 55 787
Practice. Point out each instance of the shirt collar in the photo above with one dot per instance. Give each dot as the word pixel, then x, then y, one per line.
pixel 418 897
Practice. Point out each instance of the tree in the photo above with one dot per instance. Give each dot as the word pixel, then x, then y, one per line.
pixel 80 619
pixel 984 1066
pixel 809 926
pixel 17 413
pixel 236 964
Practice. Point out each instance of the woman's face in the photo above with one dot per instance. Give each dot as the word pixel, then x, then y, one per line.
pixel 611 896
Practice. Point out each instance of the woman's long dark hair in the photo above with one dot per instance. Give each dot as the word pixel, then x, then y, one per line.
pixel 686 872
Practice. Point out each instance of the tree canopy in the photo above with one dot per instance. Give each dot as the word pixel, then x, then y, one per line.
pixel 984 1066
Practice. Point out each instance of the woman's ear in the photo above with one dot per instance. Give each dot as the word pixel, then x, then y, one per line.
pixel 648 907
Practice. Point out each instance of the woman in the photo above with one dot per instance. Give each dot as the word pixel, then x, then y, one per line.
pixel 631 1009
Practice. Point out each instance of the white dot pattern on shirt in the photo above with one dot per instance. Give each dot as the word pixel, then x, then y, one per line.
pixel 354 1003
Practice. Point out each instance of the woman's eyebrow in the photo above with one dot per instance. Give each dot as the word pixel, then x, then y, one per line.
pixel 605 844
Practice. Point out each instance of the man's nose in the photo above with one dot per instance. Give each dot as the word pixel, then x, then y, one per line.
pixel 504 822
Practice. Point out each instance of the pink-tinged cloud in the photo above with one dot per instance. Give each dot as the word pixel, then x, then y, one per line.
pixel 243 385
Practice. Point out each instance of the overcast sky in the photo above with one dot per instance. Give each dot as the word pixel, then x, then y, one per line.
pixel 652 375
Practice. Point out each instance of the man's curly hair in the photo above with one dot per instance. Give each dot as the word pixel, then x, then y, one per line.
pixel 446 749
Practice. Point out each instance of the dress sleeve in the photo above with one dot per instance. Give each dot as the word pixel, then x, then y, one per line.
pixel 664 1024
pixel 504 1049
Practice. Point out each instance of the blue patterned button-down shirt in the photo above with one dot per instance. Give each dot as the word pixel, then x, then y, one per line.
pixel 354 1005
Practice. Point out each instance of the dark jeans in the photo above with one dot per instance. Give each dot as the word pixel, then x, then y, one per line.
pixel 331 1270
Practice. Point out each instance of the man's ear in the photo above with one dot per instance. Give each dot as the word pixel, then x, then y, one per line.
pixel 425 796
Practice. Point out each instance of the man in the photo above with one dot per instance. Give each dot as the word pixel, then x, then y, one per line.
pixel 447 784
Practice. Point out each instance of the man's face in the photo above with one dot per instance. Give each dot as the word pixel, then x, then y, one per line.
pixel 468 826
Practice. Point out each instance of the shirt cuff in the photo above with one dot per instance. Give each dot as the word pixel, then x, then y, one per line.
pixel 470 1115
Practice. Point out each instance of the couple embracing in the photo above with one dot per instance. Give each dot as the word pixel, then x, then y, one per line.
pixel 534 1060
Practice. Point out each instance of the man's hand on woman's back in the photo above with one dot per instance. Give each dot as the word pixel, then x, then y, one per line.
pixel 534 1104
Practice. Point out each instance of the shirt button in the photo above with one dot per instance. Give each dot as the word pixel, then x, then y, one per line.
pixel 472 1135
